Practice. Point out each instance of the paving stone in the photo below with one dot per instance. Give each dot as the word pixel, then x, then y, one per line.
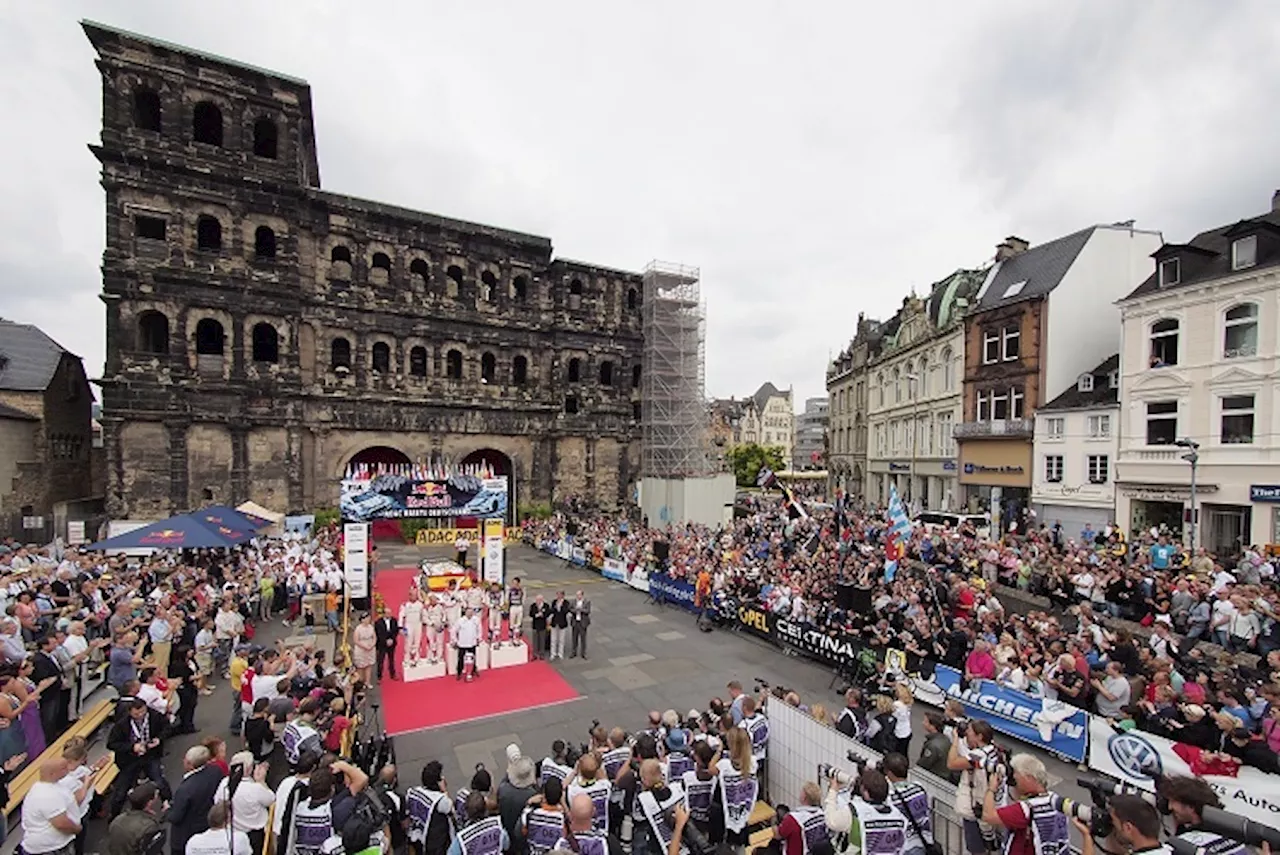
pixel 630 678
pixel 622 661
pixel 644 618
pixel 672 635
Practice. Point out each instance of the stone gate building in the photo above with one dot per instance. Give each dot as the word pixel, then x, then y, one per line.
pixel 263 333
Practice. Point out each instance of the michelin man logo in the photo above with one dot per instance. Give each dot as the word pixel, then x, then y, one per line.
pixel 1135 756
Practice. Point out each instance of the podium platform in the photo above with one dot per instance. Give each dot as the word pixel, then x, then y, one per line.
pixel 488 657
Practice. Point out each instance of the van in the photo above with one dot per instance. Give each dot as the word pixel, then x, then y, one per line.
pixel 939 520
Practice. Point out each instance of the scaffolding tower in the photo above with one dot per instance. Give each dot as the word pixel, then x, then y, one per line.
pixel 673 418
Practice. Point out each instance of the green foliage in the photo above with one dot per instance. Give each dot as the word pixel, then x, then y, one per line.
pixel 748 459
pixel 326 517
pixel 534 510
pixel 410 526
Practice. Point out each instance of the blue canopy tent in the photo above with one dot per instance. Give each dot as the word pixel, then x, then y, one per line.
pixel 223 516
pixel 180 532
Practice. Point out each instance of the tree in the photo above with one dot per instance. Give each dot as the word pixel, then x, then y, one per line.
pixel 748 459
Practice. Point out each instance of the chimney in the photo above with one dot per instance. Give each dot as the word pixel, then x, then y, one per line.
pixel 1275 201
pixel 1011 246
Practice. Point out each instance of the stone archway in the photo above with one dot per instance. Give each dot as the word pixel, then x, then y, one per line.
pixel 379 455
pixel 502 465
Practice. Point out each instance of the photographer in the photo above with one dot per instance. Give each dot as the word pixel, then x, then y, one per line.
pixel 1187 798
pixel 430 810
pixel 483 833
pixel 912 802
pixel 973 755
pixel 873 823
pixel 583 838
pixel 656 800
pixel 852 721
pixel 1036 825
pixel 805 830
pixel 1137 824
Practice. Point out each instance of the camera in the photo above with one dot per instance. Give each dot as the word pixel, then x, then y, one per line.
pixel 827 772
pixel 692 836
pixel 1226 824
pixel 761 685
pixel 959 725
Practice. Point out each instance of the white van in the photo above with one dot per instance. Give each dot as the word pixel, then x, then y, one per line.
pixel 939 520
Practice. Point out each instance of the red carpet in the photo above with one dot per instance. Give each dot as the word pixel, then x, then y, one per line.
pixel 407 707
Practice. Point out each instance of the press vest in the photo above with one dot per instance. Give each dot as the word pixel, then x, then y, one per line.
pixel 599 792
pixel 312 826
pixel 913 802
pixel 542 829
pixel 589 843
pixel 653 813
pixel 699 796
pixel 421 805
pixel 882 827
pixel 739 797
pixel 482 837
pixel 758 729
pixel 1050 830
pixel 613 760
pixel 677 764
pixel 296 733
pixel 552 769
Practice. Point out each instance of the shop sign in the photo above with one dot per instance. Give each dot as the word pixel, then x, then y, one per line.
pixel 982 469
pixel 899 467
pixel 1264 493
pixel 949 466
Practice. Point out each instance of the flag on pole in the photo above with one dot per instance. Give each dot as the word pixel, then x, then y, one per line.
pixel 899 522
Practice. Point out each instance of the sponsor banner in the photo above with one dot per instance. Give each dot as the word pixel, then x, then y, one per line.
pixel 355 559
pixel 578 556
pixel 449 536
pixel 299 523
pixel 615 570
pixel 563 550
pixel 675 591
pixel 756 621
pixel 397 496
pixel 1013 713
pixel 75 532
pixel 639 579
pixel 1131 755
pixel 493 557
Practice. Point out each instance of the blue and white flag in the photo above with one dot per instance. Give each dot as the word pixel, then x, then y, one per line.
pixel 899 522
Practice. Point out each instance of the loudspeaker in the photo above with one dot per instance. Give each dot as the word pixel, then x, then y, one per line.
pixel 844 597
pixel 661 550
pixel 861 600
pixel 571 528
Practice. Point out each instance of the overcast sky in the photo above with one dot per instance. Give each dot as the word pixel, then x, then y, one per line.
pixel 815 160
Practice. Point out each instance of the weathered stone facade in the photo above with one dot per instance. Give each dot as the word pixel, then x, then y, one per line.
pixel 261 332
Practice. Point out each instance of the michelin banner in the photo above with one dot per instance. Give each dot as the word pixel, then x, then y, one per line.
pixel 1131 755
pixel 1013 713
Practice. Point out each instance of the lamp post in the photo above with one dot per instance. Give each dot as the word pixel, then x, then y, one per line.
pixel 911 473
pixel 1192 456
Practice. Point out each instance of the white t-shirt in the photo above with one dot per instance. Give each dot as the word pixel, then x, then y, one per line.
pixel 249 805
pixel 218 841
pixel 264 686
pixel 44 802
pixel 75 644
pixel 282 801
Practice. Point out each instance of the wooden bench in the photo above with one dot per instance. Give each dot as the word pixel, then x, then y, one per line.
pixel 85 726
pixel 759 840
pixel 111 771
pixel 759 826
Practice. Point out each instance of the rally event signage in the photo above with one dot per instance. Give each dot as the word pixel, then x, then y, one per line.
pixel 355 559
pixel 397 495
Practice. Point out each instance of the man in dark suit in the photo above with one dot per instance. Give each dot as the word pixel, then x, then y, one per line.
pixel 189 812
pixel 45 666
pixel 579 620
pixel 559 625
pixel 538 614
pixel 387 629
pixel 135 740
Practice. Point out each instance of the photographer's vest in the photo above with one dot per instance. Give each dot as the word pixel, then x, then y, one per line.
pixel 739 793
pixel 974 779
pixel 655 813
pixel 758 729
pixel 589 843
pixel 614 759
pixel 552 769
pixel 312 826
pixel 599 792
pixel 677 764
pixel 460 804
pixel 421 805
pixel 1049 828
pixel 699 796
pixel 813 827
pixel 482 837
pixel 542 829
pixel 913 802
pixel 296 733
pixel 1212 844
pixel 847 714
pixel 882 827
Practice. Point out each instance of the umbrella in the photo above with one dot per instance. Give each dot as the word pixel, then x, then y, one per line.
pixel 180 532
pixel 221 515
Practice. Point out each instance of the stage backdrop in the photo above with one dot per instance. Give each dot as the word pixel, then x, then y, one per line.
pixel 393 496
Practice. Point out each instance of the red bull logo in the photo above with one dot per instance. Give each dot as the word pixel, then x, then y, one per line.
pixel 163 537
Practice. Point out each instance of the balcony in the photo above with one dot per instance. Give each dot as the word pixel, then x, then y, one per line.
pixel 998 427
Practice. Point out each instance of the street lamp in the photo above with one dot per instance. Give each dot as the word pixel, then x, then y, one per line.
pixel 1193 458
pixel 911 473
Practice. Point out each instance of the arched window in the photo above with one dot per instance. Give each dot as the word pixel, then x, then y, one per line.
pixel 520 289
pixel 635 376
pixel 381 261
pixel 418 362
pixel 880 388
pixel 897 386
pixel 264 243
pixel 488 368
pixel 636 411
pixel 911 384
pixel 453 287
pixel 925 380
pixel 575 370
pixel 519 371
pixel 606 373
pixel 210 339
pixel 340 253
pixel 381 357
pixel 1241 336
pixel 206 124
pixel 948 371
pixel 266 343
pixel 575 294
pixel 340 355
pixel 571 404
pixel 453 365
pixel 146 109
pixel 419 272
pixel 266 141
pixel 208 233
pixel 633 299
pixel 1164 343
pixel 488 286
pixel 153 332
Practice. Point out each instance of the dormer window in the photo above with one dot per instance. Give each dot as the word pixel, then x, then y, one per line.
pixel 1170 272
pixel 1244 252
pixel 1113 380
pixel 1085 383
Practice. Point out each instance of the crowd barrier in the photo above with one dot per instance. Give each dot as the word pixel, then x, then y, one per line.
pixel 1075 735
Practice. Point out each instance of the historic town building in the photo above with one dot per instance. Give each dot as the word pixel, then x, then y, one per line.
pixel 1076 437
pixel 847 410
pixel 1201 351
pixel 1044 316
pixel 811 435
pixel 915 397
pixel 264 333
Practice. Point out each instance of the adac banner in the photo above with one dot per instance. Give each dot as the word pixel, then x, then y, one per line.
pixel 1132 756
pixel 397 496
pixel 670 590
pixel 614 569
pixel 449 536
pixel 1015 714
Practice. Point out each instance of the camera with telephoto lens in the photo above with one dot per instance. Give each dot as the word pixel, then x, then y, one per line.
pixel 1226 824
pixel 959 725
pixel 827 772
pixel 762 685
pixel 692 836
pixel 1098 815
